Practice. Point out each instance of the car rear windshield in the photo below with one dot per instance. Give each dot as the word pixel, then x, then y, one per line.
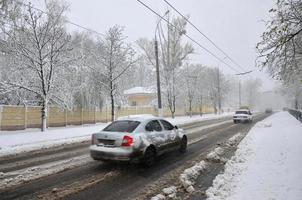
pixel 122 126
pixel 241 112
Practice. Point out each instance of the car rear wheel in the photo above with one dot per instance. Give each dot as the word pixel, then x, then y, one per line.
pixel 183 144
pixel 149 157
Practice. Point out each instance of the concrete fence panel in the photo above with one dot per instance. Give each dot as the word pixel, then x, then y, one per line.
pixel 21 117
pixel 75 117
pixel 88 117
pixel 13 118
pixel 56 117
pixel 33 117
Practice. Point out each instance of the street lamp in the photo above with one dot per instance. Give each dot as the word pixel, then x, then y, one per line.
pixel 241 74
pixel 157 67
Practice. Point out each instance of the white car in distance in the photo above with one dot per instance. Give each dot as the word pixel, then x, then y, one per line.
pixel 242 115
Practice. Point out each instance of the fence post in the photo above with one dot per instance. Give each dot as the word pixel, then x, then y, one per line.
pixel 95 114
pixel 47 117
pixel 82 115
pixel 106 114
pixel 25 116
pixel 65 113
pixel 1 108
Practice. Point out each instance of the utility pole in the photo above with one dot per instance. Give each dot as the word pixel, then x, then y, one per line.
pixel 219 91
pixel 158 79
pixel 241 74
pixel 159 104
pixel 239 93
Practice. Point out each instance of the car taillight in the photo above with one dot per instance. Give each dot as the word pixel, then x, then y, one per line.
pixel 127 141
pixel 93 139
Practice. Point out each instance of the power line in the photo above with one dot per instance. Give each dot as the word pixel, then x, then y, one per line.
pixel 72 23
pixel 67 21
pixel 189 37
pixel 211 41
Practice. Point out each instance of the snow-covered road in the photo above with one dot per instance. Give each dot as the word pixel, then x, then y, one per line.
pixel 31 167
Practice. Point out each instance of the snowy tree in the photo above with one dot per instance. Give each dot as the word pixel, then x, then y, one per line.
pixel 251 92
pixel 87 93
pixel 202 88
pixel 191 76
pixel 293 91
pixel 217 88
pixel 142 73
pixel 37 47
pixel 115 57
pixel 172 52
pixel 231 99
pixel 280 50
pixel 9 11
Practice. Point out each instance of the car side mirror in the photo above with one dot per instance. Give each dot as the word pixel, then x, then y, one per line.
pixel 175 127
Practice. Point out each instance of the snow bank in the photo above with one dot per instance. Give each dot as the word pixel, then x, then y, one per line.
pixel 266 165
pixel 169 192
pixel 215 155
pixel 234 139
pixel 158 197
pixel 187 180
pixel 188 177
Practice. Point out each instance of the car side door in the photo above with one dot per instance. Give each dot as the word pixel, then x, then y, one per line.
pixel 155 134
pixel 171 134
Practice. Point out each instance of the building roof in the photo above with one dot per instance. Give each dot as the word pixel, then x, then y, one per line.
pixel 139 90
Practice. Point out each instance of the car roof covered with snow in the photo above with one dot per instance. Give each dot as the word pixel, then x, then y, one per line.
pixel 246 110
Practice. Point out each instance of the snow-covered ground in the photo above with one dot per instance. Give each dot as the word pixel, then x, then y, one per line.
pixel 14 142
pixel 266 165
pixel 33 139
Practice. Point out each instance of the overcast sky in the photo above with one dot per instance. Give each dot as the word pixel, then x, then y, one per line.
pixel 234 25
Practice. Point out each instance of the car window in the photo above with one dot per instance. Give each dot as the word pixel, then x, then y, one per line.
pixel 241 112
pixel 122 126
pixel 167 125
pixel 153 125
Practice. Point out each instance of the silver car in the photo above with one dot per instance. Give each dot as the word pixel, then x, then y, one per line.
pixel 137 139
